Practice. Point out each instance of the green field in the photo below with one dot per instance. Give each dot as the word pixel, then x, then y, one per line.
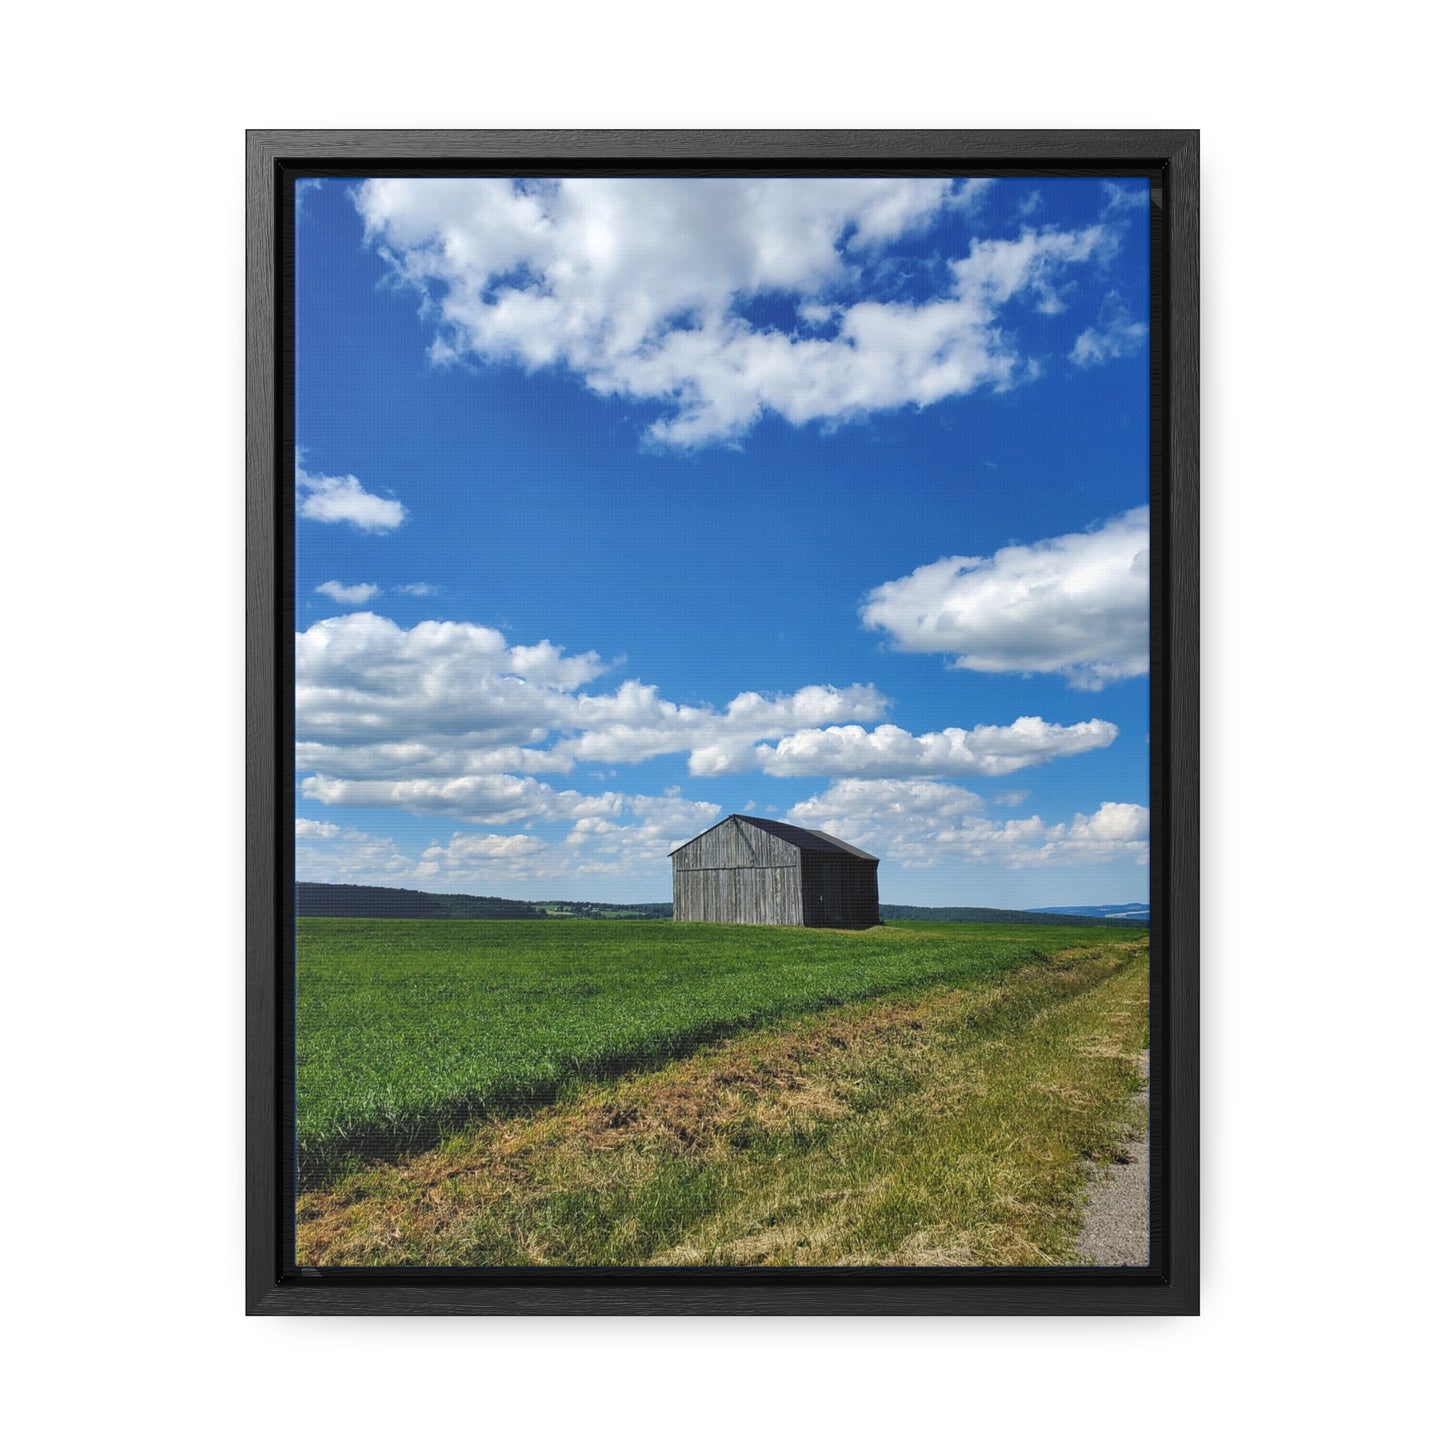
pixel 407 1029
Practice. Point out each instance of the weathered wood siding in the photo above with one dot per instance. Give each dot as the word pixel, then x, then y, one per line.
pixel 737 895
pixel 736 844
pixel 735 873
pixel 739 873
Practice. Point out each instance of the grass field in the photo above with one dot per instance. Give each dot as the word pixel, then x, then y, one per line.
pixel 406 1030
pixel 943 1122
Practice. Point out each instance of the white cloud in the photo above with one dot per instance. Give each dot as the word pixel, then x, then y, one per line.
pixel 449 701
pixel 1116 335
pixel 344 499
pixel 635 724
pixel 311 828
pixel 350 856
pixel 604 845
pixel 632 841
pixel 472 857
pixel 352 596
pixel 1124 198
pixel 1076 605
pixel 884 803
pixel 363 680
pixel 416 589
pixel 428 756
pixel 923 825
pixel 639 287
pixel 450 720
pixel 890 752
pixel 492 799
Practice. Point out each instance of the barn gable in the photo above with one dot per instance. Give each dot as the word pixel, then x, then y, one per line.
pixel 757 870
pixel 737 842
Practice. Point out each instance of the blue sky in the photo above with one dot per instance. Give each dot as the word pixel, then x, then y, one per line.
pixel 625 504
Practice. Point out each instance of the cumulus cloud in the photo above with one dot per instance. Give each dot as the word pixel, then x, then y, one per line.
pixel 925 824
pixel 603 845
pixel 641 288
pixel 489 798
pixel 890 752
pixel 1117 334
pixel 1077 605
pixel 450 720
pixel 352 596
pixel 444 702
pixel 344 499
pixel 431 756
pixel 885 803
pixel 311 828
pixel 470 856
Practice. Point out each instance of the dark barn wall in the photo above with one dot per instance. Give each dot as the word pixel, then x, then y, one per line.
pixel 839 891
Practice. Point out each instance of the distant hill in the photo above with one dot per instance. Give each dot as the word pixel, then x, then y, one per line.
pixel 902 912
pixel 1127 912
pixel 351 900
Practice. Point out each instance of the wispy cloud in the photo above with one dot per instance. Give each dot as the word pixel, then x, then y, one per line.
pixel 304 187
pixel 1076 605
pixel 416 589
pixel 352 596
pixel 1125 197
pixel 633 838
pixel 641 288
pixel 344 499
pixel 1117 334
pixel 347 855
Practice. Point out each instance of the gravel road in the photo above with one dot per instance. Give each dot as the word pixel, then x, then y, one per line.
pixel 1116 1216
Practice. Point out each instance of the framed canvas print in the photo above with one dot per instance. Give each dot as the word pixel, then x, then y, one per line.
pixel 722 671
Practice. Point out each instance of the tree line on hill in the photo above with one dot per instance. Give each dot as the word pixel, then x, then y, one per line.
pixel 353 900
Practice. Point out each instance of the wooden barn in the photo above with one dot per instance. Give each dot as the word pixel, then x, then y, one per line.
pixel 756 870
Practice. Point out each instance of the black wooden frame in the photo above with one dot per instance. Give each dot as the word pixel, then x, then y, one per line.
pixel 1170 1284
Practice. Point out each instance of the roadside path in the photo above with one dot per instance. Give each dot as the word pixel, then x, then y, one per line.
pixel 1116 1215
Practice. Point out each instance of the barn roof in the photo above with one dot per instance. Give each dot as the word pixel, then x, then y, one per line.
pixel 809 839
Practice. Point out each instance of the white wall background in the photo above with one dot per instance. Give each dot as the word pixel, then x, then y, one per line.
pixel 122 577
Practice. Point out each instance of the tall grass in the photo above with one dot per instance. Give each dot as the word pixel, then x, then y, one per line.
pixel 406 1029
